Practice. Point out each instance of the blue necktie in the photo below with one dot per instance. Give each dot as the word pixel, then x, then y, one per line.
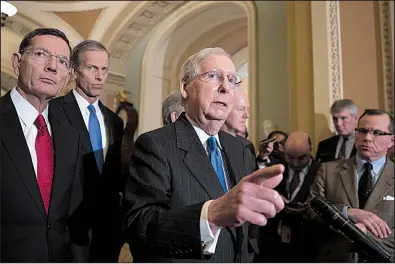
pixel 95 137
pixel 216 161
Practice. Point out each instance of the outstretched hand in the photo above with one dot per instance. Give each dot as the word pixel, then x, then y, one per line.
pixel 252 200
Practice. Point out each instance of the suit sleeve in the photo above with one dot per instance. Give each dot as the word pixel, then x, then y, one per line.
pixel 319 150
pixel 152 227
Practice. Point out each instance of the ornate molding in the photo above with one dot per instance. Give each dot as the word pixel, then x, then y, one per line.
pixel 19 25
pixel 387 55
pixel 335 57
pixel 138 27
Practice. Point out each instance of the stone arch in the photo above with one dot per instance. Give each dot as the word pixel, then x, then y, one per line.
pixel 160 60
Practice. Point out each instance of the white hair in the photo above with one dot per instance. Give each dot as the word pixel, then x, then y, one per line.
pixel 191 66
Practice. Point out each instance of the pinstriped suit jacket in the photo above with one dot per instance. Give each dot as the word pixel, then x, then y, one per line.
pixel 170 179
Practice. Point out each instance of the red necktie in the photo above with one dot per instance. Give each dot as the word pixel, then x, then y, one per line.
pixel 44 151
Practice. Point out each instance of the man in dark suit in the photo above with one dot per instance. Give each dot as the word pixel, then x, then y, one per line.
pixel 101 132
pixel 362 187
pixel 287 238
pixel 187 198
pixel 40 160
pixel 344 116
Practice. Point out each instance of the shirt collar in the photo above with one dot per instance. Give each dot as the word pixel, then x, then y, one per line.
pixel 83 103
pixel 203 136
pixel 26 112
pixel 377 164
pixel 350 137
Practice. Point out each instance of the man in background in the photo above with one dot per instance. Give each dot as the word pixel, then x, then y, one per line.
pixel 344 116
pixel 272 152
pixel 172 108
pixel 101 132
pixel 40 157
pixel 235 124
pixel 362 188
pixel 287 238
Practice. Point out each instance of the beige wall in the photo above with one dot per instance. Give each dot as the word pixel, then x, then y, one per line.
pixel 362 78
pixel 300 65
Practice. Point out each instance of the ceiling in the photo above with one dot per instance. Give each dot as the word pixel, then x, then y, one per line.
pixel 119 25
pixel 122 25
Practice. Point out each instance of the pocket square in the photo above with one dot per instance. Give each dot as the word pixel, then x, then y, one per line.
pixel 388 198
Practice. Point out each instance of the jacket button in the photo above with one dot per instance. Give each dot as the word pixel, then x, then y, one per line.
pixel 49 226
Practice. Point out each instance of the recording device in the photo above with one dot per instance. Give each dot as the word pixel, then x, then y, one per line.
pixel 267 141
pixel 367 245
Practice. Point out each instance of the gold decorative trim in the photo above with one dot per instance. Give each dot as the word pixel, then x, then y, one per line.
pixel 387 55
pixel 335 58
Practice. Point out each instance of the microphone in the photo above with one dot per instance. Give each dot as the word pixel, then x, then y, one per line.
pixel 330 213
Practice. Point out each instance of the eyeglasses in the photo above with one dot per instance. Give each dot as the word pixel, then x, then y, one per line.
pixel 376 133
pixel 43 56
pixel 217 77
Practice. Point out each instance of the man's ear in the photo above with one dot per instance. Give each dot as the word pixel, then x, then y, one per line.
pixel 16 63
pixel 183 86
pixel 73 72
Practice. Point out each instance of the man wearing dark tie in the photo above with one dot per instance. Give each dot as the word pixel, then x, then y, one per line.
pixel 101 131
pixel 287 238
pixel 344 116
pixel 362 187
pixel 40 161
pixel 188 198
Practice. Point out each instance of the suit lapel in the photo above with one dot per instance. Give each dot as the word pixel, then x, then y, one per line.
pixel 74 116
pixel 232 154
pixel 333 146
pixel 196 158
pixel 108 124
pixel 384 184
pixel 350 182
pixel 59 137
pixel 308 180
pixel 15 144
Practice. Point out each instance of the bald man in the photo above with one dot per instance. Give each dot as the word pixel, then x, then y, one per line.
pixel 236 122
pixel 286 238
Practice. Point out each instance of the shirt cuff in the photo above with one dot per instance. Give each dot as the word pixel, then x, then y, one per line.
pixel 345 213
pixel 209 233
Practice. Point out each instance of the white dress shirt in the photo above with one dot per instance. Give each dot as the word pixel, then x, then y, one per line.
pixel 207 236
pixel 83 105
pixel 27 115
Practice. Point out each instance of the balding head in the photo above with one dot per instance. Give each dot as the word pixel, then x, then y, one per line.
pixel 298 150
pixel 236 121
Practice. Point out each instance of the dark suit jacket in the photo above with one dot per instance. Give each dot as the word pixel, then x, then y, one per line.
pixel 28 234
pixel 337 182
pixel 171 178
pixel 102 203
pixel 301 248
pixel 327 149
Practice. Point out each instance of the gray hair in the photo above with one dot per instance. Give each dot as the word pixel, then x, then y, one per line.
pixel 172 103
pixel 343 104
pixel 85 46
pixel 191 66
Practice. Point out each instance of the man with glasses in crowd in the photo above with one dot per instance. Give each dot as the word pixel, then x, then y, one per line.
pixel 188 197
pixel 40 155
pixel 362 187
pixel 344 116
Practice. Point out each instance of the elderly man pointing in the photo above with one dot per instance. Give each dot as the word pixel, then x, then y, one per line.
pixel 189 194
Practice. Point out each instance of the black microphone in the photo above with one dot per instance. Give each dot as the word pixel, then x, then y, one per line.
pixel 370 247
